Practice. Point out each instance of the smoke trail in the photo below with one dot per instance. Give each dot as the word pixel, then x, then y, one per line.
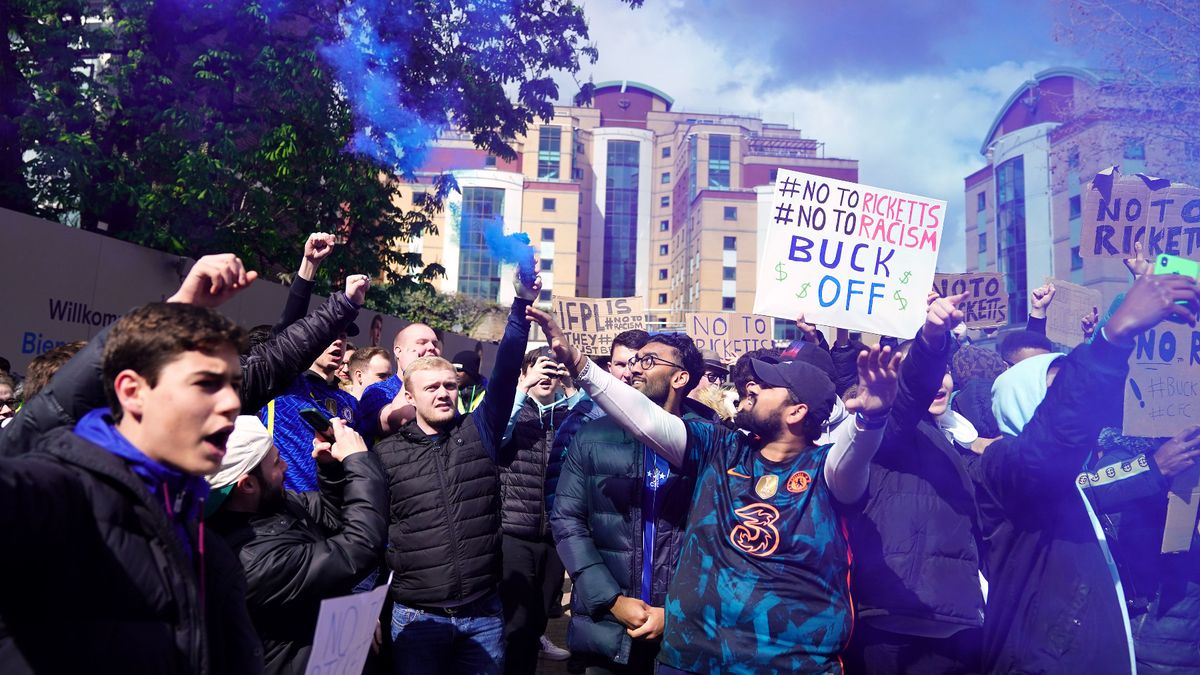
pixel 510 248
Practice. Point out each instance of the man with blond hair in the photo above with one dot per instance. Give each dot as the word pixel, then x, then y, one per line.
pixel 444 530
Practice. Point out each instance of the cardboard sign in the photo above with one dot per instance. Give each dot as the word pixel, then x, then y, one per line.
pixel 1162 396
pixel 1183 503
pixel 592 323
pixel 987 305
pixel 1070 304
pixel 345 628
pixel 1119 211
pixel 729 335
pixel 848 255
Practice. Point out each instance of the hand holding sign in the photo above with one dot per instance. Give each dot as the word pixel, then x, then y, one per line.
pixel 1179 453
pixel 942 317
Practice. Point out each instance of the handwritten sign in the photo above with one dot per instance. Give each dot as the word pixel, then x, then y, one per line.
pixel 1162 394
pixel 987 305
pixel 848 255
pixel 1119 211
pixel 729 335
pixel 1071 302
pixel 345 628
pixel 592 323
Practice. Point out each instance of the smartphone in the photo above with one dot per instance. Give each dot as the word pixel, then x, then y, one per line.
pixel 319 423
pixel 1171 264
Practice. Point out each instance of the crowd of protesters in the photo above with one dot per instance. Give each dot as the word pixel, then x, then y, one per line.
pixel 179 494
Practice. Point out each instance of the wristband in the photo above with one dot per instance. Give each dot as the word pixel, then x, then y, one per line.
pixel 869 423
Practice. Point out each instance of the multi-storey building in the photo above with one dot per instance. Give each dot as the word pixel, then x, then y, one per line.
pixel 624 197
pixel 1025 207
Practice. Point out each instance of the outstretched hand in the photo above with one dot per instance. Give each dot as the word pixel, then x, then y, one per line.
pixel 878 381
pixel 213 280
pixel 1153 298
pixel 942 317
pixel 557 339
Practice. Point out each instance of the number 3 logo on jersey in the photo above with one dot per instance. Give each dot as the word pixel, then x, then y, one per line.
pixel 757 535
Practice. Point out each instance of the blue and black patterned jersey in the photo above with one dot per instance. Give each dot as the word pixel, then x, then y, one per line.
pixel 762 584
pixel 292 435
pixel 374 399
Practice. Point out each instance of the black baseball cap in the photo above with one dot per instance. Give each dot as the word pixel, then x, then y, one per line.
pixel 808 383
pixel 469 361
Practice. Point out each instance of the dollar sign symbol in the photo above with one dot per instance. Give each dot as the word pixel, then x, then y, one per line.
pixel 904 279
pixel 779 270
pixel 803 290
pixel 900 299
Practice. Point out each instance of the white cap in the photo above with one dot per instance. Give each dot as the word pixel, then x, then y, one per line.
pixel 247 445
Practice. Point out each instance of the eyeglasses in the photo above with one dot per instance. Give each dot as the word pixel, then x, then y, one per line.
pixel 713 376
pixel 649 361
pixel 9 402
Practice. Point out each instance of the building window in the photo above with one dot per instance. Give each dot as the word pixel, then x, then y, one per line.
pixel 620 219
pixel 730 213
pixel 663 249
pixel 577 174
pixel 662 298
pixel 981 201
pixel 478 271
pixel 718 161
pixel 774 175
pixel 1192 151
pixel 983 242
pixel 1135 148
pixel 1076 259
pixel 1073 158
pixel 665 179
pixel 549 152
pixel 1010 234
pixel 1074 208
pixel 544 296
pixel 489 160
pixel 729 273
pixel 730 244
pixel 418 198
pixel 666 151
pixel 549 204
pixel 728 304
pixel 547 264
pixel 547 234
pixel 665 200
pixel 664 225
pixel 662 274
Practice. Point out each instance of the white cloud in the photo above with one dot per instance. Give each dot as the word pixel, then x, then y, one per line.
pixel 918 134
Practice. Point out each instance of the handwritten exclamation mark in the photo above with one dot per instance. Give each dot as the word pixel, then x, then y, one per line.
pixel 1137 392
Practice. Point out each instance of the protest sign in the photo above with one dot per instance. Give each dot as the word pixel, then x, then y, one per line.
pixel 1071 302
pixel 345 628
pixel 729 335
pixel 1162 395
pixel 848 255
pixel 1183 503
pixel 591 323
pixel 1119 211
pixel 987 303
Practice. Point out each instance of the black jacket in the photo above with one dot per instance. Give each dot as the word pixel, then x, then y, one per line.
pixel 96 578
pixel 444 492
pixel 597 521
pixel 916 553
pixel 528 482
pixel 267 371
pixel 1052 603
pixel 320 546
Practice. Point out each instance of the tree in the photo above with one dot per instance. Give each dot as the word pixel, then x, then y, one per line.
pixel 242 125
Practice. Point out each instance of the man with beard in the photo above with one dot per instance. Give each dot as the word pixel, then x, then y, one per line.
pixel 764 562
pixel 617 496
pixel 298 548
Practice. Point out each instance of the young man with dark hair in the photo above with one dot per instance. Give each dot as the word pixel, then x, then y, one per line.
pixel 639 527
pixel 107 515
pixel 42 368
pixel 472 386
pixel 1022 344
pixel 764 564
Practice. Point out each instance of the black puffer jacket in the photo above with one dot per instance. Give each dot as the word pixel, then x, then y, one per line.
pixel 320 546
pixel 916 539
pixel 267 371
pixel 527 484
pixel 96 578
pixel 444 490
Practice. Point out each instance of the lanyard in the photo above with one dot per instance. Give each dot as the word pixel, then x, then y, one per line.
pixel 657 471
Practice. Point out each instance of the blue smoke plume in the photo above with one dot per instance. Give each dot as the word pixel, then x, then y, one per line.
pixel 510 248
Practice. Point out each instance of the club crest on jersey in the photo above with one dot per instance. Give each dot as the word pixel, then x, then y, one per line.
pixel 799 481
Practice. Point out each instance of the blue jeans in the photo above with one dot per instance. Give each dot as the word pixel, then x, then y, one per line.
pixel 469 643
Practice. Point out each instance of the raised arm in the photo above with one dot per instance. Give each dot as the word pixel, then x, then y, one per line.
pixel 856 440
pixel 1039 301
pixel 924 368
pixel 491 417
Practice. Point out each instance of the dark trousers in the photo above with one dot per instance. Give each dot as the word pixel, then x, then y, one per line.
pixel 875 652
pixel 533 577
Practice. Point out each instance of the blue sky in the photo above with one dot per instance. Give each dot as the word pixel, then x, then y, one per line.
pixel 907 88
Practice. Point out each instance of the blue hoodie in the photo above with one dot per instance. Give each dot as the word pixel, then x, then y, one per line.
pixel 181 494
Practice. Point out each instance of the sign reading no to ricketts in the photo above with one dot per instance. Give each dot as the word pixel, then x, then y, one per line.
pixel 848 255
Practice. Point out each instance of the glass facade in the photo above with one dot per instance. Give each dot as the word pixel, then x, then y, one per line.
pixel 549 152
pixel 478 271
pixel 1010 231
pixel 620 219
pixel 718 162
